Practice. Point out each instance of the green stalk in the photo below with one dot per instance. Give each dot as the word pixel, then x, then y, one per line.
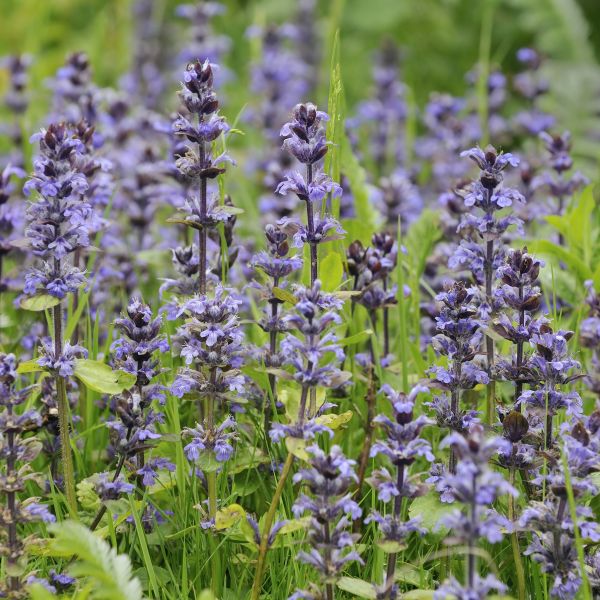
pixel 514 541
pixel 264 541
pixel 63 419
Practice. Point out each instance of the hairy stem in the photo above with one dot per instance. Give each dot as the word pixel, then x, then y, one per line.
pixel 202 232
pixel 11 506
pixel 63 418
pixel 391 566
pixel 514 540
pixel 270 517
pixel 489 342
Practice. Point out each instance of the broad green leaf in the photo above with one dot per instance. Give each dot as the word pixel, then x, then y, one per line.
pixel 331 271
pixel 391 547
pixel 39 302
pixel 418 595
pixel 39 592
pixel 29 366
pixel 429 509
pixel 99 377
pixel 334 421
pixel 229 516
pixel 358 587
pixel 208 462
pixel 297 447
pixel 284 295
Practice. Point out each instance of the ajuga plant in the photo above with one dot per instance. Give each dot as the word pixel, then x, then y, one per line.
pixel 520 298
pixel 459 339
pixel 556 180
pixel 531 85
pixel 210 344
pixel 402 445
pixel 371 269
pixel 203 40
pixel 75 98
pixel 57 229
pixel 133 428
pixel 11 219
pixel 589 336
pixel 329 477
pixel 550 369
pixel 564 518
pixel 304 138
pixel 201 127
pixel 16 100
pixel 385 113
pixel 476 487
pixel 309 356
pixel 277 265
pixel 17 452
pixel 482 251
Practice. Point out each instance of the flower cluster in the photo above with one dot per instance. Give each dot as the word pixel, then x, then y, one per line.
pixel 550 368
pixel 331 509
pixel 476 487
pixel 553 541
pixel 210 344
pixel 458 339
pixel 17 452
pixel 304 138
pixel 520 298
pixel 402 445
pixel 196 163
pixel 309 355
pixel 57 222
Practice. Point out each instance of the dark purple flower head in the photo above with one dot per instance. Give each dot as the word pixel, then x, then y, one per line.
pixel 491 164
pixel 304 135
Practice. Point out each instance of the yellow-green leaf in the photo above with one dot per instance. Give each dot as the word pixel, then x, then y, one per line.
pixel 39 302
pixel 284 295
pixel 334 421
pixel 97 376
pixel 331 271
pixel 29 366
pixel 358 587
pixel 229 516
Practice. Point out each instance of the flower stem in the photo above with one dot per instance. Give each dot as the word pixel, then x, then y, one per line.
pixel 391 566
pixel 63 418
pixel 270 517
pixel 202 230
pixel 514 540
pixel 11 506
pixel 489 342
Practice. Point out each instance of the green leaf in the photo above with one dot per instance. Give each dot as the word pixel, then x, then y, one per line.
pixel 39 302
pixel 29 366
pixel 331 271
pixel 99 377
pixel 39 592
pixel 208 462
pixel 334 421
pixel 358 587
pixel 575 264
pixel 418 595
pixel 109 573
pixel 284 295
pixel 229 516
pixel 430 509
pixel 357 338
pixel 362 226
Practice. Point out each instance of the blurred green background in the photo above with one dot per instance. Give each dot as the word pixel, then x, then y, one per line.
pixel 441 41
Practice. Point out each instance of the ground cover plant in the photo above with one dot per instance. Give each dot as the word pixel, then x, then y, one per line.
pixel 294 304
